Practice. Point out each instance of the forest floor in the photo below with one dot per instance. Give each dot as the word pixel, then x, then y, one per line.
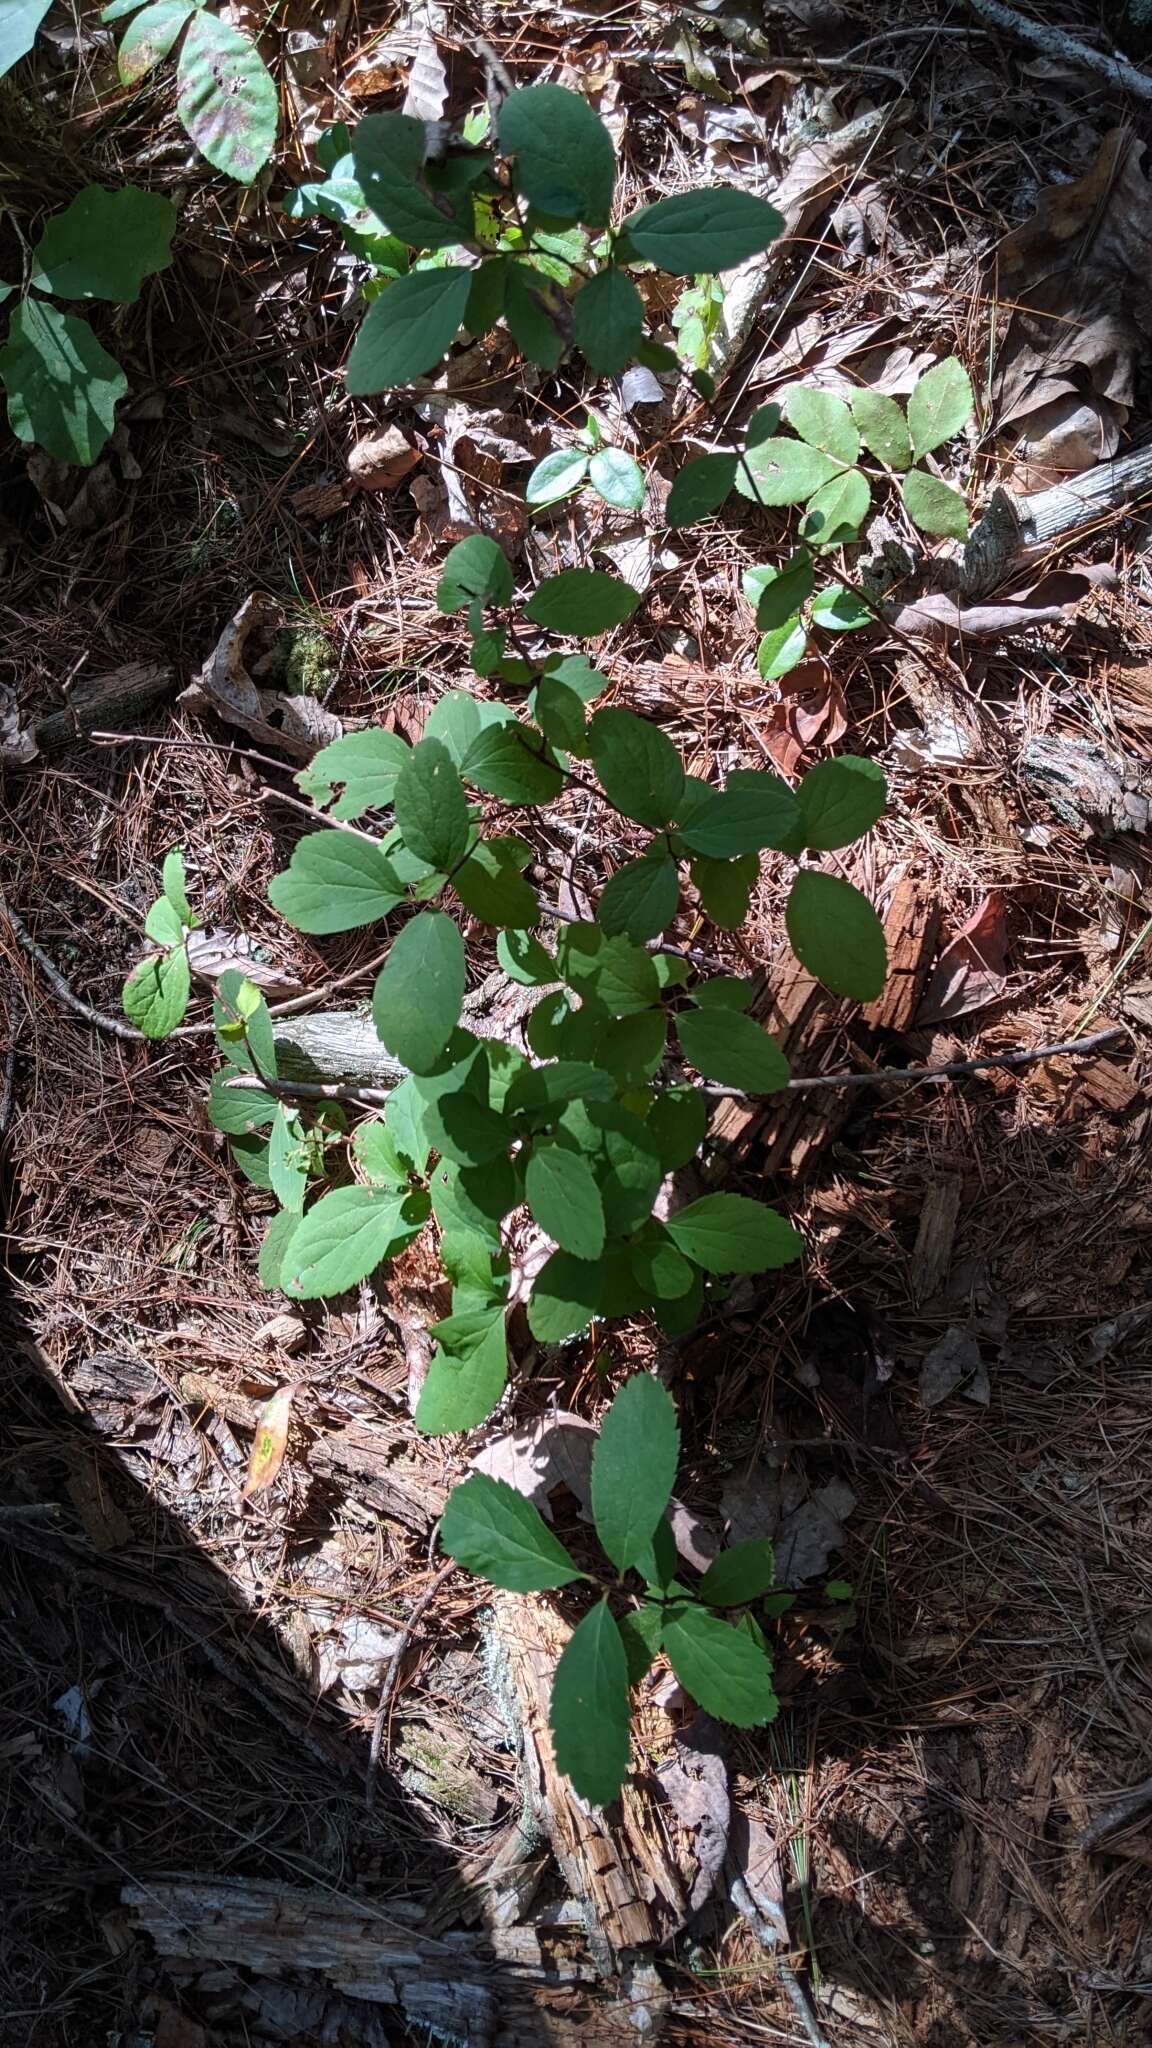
pixel 943 1416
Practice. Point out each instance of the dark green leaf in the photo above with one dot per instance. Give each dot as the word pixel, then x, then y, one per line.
pixel 250 1155
pixel 493 1531
pixel 658 1561
pixel 556 476
pixel 226 98
pixel 711 229
pixel 719 1667
pixel 640 770
pixel 537 315
pixel 404 1117
pixel 640 899
pixel 467 1374
pixel 823 420
pixel 676 1123
pixel 420 989
pixel 581 601
pixel 607 323
pixel 560 1082
pixel 105 244
pixel 335 882
pixel 514 762
pixel 738 1575
pixel 724 992
pixel 565 1200
pixel 463 1127
pixel 408 329
pixel 389 152
pixel 835 933
pixel 757 809
pixel 565 162
pixel 565 1297
pixel 676 1318
pixel 783 472
pixel 490 884
pixel 662 1271
pixel 620 975
pixel 560 715
pixel 730 1234
pixel 640 1635
pixel 486 298
pixel 589 1713
pixel 883 427
pixel 839 801
pixel 634 1468
pixel 155 995
pixel 699 489
pixel 724 1046
pixel 475 571
pixel 431 807
pixel 615 477
pixel 367 763
pixel 346 1235
pixel 475 1200
pixel 63 388
pixel 524 959
pixel 632 1048
pixel 933 505
pixel 725 887
pixel 941 403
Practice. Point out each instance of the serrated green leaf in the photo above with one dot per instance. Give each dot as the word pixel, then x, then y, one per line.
pixel 467 1374
pixel 346 1235
pixel 823 420
pixel 388 152
pixel 516 763
pixel 725 887
pixel 589 1712
pixel 475 1200
pixel 727 1047
pixel 677 1123
pixel 420 989
pixel 226 98
pixel 19 21
pixel 708 230
pixel 465 1128
pixel 607 324
pixel 581 601
pixel 756 810
pixel 835 933
pixel 525 960
pixel 700 489
pixel 565 1297
pixel 565 162
pixel 431 807
pixel 933 505
pixel 837 511
pixel 719 1667
pixel 556 476
pixel 557 1083
pixel 839 610
pixel 335 882
pixel 839 801
pixel 105 244
pixel 274 1247
pixel 288 1160
pixel 615 477
pixel 536 315
pixel 378 1156
pixel 941 403
pixel 366 763
pixel 640 770
pixel 634 1468
pixel 781 650
pixel 408 329
pixel 490 885
pixel 565 1201
pixel 783 472
pixel 243 1026
pixel 641 898
pixel 730 1234
pixel 779 593
pixel 493 1531
pixel 640 1635
pixel 238 1111
pixel 63 388
pixel 475 571
pixel 155 995
pixel 738 1575
pixel 883 427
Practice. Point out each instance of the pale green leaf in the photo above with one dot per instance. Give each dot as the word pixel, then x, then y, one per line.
pixel 150 37
pixel 615 477
pixel 525 960
pixel 163 924
pixel 837 511
pixel 175 885
pixel 835 933
pixel 589 1712
pixel 226 98
pixel 730 1234
pixel 941 403
pixel 840 611
pixel 933 505
pixel 493 1531
pixel 467 1374
pixel 618 974
pixel 378 1156
pixel 366 763
pixel 404 1117
pixel 883 427
pixel 640 1635
pixel 565 1297
pixel 238 1111
pixel 781 650
pixel 288 1160
pixel 274 1246
pixel 779 593
pixel 335 882
pixel 420 989
pixel 155 994
pixel 823 420
pixel 634 1468
pixel 19 21
pixel 556 476
pixel 783 472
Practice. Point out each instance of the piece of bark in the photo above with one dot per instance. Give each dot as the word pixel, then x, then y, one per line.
pixel 105 703
pixel 383 1476
pixel 910 928
pixel 932 1256
pixel 340 1046
pixel 808 1024
pixel 1018 530
pixel 1103 1082
pixel 516 1987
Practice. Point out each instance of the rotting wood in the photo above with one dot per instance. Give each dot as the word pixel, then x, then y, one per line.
pixel 119 698
pixel 911 928
pixel 932 1256
pixel 385 1478
pixel 1014 531
pixel 518 1988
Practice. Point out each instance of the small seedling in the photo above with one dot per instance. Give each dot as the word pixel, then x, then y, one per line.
pixel 724 1666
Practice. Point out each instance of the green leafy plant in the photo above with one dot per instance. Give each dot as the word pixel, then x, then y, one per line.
pixel 226 97
pixel 627 1040
pixel 695 319
pixel 614 475
pixel 519 229
pixel 725 1666
pixel 156 992
pixel 62 385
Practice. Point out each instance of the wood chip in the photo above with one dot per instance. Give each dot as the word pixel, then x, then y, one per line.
pixel 932 1256
pixel 911 929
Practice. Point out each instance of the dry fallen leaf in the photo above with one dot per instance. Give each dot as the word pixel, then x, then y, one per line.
pixel 941 616
pixel 270 1442
pixel 973 969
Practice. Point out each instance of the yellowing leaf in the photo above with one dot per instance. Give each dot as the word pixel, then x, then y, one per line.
pixel 270 1441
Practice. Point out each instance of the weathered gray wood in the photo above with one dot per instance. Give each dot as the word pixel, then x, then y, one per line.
pixel 107 703
pixel 334 1045
pixel 1014 531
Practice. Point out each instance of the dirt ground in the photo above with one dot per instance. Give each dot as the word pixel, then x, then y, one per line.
pixel 943 1416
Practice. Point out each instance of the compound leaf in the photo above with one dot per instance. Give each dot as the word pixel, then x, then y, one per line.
pixel 493 1531
pixel 933 505
pixel 634 1468
pixel 941 403
pixel 226 98
pixel 883 427
pixel 589 1713
pixel 823 420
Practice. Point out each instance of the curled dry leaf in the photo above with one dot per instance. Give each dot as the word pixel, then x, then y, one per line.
pixel 972 971
pixel 225 685
pixel 811 712
pixel 941 616
pixel 379 462
pixel 270 1442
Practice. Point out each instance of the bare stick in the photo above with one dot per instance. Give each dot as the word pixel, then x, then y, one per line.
pixel 1056 43
pixel 391 1676
pixel 56 981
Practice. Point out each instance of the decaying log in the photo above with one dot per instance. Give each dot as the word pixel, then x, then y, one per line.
pixel 107 703
pixel 334 1045
pixel 910 929
pixel 519 1987
pixel 1015 531
pixel 386 1478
